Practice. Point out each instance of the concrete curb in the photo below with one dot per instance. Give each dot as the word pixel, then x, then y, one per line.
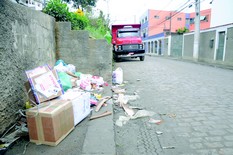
pixel 100 133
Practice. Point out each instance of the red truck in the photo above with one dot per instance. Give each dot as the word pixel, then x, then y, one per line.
pixel 127 42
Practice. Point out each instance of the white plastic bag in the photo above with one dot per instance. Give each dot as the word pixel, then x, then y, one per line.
pixel 117 76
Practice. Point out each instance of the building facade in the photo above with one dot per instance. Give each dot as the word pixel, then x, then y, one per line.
pixel 222 12
pixel 157 24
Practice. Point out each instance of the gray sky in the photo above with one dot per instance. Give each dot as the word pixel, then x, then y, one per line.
pixel 129 11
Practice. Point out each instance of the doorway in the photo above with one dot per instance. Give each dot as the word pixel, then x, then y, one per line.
pixel 221 42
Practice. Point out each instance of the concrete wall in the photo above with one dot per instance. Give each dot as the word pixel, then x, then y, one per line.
pixel 206 53
pixel 188 46
pixel 176 45
pixel 26 41
pixel 229 47
pixel 88 55
pixel 165 47
pixel 209 45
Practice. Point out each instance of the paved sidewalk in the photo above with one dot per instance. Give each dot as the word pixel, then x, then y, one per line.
pixel 100 132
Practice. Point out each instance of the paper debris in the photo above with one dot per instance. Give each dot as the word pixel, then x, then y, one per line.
pixel 151 120
pixel 122 121
pixel 142 113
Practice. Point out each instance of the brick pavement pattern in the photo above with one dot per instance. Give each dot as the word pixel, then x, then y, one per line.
pixel 194 101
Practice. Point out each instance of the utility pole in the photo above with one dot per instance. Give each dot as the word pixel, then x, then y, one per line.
pixel 197 31
pixel 170 23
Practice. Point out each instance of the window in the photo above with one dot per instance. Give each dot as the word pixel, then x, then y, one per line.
pixel 204 18
pixel 179 19
pixel 192 20
pixel 156 17
pixel 128 34
pixel 167 17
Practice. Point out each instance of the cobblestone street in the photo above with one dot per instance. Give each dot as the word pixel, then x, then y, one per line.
pixel 194 101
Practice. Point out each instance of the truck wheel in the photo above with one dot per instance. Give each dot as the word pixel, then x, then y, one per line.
pixel 115 58
pixel 142 58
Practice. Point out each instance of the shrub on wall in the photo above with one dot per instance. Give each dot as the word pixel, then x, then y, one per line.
pixel 78 22
pixel 182 30
pixel 58 10
pixel 61 13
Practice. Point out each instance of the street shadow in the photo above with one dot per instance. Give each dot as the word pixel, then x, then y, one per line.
pixel 128 60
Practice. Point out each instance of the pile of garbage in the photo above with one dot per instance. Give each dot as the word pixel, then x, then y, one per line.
pixel 58 94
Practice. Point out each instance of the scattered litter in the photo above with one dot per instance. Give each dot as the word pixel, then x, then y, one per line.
pixel 162 114
pixel 117 76
pixel 131 97
pixel 169 147
pixel 129 111
pixel 102 101
pixel 172 115
pixel 121 100
pixel 151 120
pixel 169 115
pixel 106 113
pixel 122 121
pixel 118 90
pixel 142 113
pixel 159 132
pixel 135 107
pixel 115 96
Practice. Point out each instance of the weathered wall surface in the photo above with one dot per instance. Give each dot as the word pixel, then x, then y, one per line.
pixel 90 56
pixel 165 47
pixel 188 47
pixel 27 40
pixel 229 47
pixel 206 52
pixel 176 45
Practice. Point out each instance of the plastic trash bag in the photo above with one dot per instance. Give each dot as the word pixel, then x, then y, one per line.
pixel 117 76
pixel 65 80
pixel 71 68
pixel 60 62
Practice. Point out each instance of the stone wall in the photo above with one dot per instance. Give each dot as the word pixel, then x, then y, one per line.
pixel 90 56
pixel 27 40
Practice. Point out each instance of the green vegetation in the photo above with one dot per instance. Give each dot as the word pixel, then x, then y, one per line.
pixel 97 26
pixel 182 30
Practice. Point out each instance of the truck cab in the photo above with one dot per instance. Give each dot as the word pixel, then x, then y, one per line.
pixel 127 42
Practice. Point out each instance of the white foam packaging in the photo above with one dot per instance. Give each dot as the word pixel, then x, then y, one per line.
pixel 81 104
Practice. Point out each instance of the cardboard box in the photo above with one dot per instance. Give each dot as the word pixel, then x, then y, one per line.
pixel 51 123
pixel 38 71
pixel 46 86
pixel 81 104
pixel 30 94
